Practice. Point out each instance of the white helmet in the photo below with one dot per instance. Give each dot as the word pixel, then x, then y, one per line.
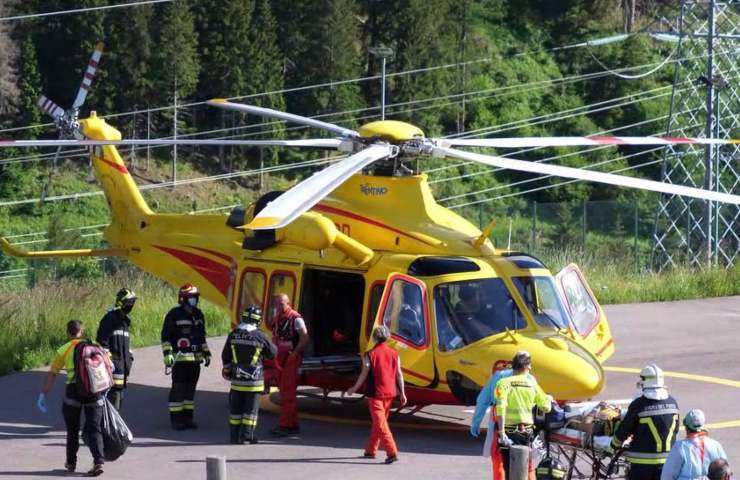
pixel 651 377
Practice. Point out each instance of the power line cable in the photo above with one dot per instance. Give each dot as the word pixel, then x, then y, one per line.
pixel 82 10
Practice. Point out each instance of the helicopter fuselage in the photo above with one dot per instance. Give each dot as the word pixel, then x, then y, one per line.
pixel 379 249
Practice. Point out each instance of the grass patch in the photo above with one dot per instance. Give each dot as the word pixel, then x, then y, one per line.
pixel 32 321
pixel 614 279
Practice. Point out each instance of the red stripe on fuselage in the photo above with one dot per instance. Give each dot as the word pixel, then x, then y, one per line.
pixel 214 272
pixel 606 345
pixel 417 375
pixel 121 168
pixel 360 218
pixel 214 253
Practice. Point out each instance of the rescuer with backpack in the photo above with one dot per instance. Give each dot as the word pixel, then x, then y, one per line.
pixel 184 348
pixel 242 357
pixel 113 335
pixel 89 375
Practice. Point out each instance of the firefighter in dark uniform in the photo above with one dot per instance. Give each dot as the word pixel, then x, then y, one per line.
pixel 184 347
pixel 652 421
pixel 113 335
pixel 242 366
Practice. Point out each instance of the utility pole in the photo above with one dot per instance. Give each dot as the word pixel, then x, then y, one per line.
pixel 383 53
pixel 705 102
pixel 174 136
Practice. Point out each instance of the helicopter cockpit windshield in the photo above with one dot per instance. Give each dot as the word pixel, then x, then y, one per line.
pixel 542 300
pixel 470 310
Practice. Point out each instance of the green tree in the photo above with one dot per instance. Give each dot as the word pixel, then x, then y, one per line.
pixel 9 94
pixel 176 58
pixel 129 60
pixel 420 40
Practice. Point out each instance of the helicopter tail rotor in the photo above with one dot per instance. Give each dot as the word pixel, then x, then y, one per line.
pixel 88 76
pixel 50 108
pixel 66 121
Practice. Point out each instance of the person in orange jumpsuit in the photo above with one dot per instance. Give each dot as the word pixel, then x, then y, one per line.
pixel 381 368
pixel 291 337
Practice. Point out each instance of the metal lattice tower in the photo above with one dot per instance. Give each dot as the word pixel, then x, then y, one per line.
pixel 705 103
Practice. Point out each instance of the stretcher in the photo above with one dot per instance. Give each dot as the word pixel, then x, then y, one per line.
pixel 581 441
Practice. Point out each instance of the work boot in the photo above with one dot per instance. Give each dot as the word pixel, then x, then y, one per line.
pixel 284 431
pixel 178 425
pixel 391 459
pixel 70 467
pixel 253 440
pixel 96 470
pixel 235 435
pixel 191 424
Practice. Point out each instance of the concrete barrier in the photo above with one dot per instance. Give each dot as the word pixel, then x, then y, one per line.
pixel 216 467
pixel 518 462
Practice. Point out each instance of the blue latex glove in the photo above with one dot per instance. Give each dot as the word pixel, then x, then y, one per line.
pixel 475 430
pixel 41 403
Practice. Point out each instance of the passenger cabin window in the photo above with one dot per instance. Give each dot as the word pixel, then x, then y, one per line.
pixel 252 290
pixel 468 311
pixel 376 295
pixel 280 282
pixel 583 309
pixel 404 312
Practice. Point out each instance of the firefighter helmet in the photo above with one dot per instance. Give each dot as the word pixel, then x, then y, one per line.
pixel 651 376
pixel 187 291
pixel 550 469
pixel 125 296
pixel 253 315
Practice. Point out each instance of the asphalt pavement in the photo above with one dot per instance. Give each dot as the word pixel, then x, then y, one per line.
pixel 696 340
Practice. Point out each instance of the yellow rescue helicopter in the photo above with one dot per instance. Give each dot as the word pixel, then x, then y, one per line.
pixel 363 242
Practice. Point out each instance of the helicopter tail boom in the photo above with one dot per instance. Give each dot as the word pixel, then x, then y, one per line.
pixel 124 198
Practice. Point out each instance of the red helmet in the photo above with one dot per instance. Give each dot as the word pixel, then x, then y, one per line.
pixel 187 291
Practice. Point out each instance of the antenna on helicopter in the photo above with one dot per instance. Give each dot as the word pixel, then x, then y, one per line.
pixel 66 120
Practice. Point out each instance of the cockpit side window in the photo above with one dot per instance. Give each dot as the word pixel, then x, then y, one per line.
pixel 404 312
pixel 470 310
pixel 542 300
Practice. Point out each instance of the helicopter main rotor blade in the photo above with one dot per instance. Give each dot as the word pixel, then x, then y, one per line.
pixel 589 175
pixel 50 108
pixel 299 199
pixel 327 143
pixel 288 117
pixel 88 76
pixel 523 142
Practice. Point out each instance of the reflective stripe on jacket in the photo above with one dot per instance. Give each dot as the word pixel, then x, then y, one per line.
pixel 184 335
pixel 244 349
pixel 113 335
pixel 516 396
pixel 653 425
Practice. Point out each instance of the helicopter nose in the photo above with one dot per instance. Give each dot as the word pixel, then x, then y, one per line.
pixel 572 378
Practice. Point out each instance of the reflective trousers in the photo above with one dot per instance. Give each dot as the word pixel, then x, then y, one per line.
pixel 500 461
pixel 380 431
pixel 243 410
pixel 182 394
pixel 72 408
pixel 644 472
pixel 288 386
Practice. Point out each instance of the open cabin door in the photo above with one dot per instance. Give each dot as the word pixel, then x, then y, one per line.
pixel 587 316
pixel 404 309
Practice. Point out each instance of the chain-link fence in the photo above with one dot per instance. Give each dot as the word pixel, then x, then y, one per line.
pixel 610 230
